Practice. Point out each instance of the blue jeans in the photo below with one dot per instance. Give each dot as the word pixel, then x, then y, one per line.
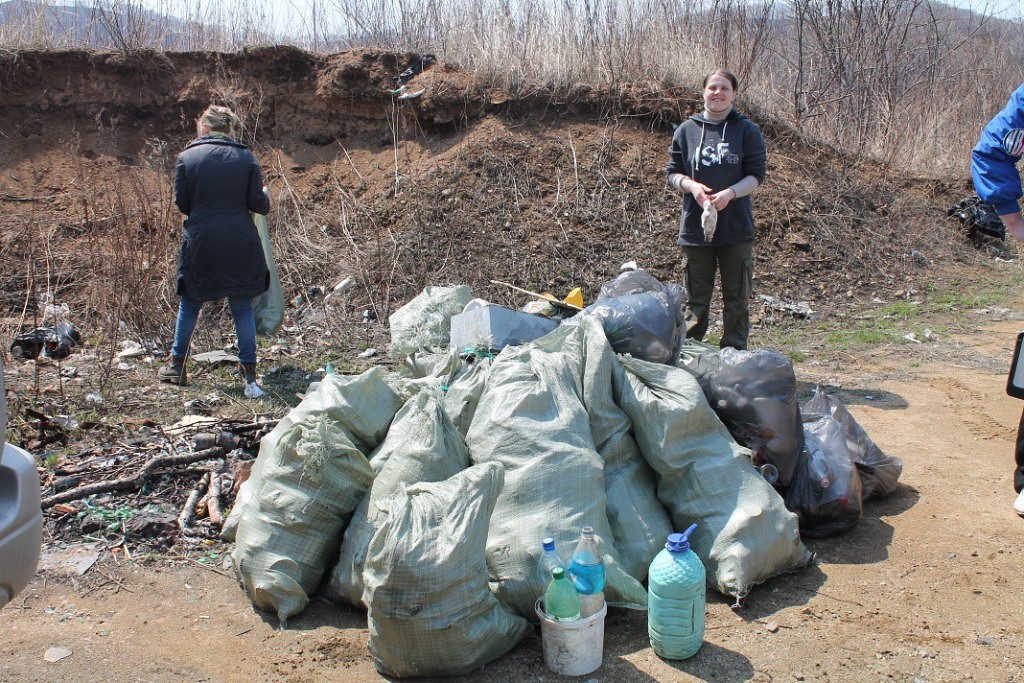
pixel 245 327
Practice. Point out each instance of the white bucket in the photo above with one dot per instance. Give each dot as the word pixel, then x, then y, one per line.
pixel 572 648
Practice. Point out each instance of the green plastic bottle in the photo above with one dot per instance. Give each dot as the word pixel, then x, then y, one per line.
pixel 561 601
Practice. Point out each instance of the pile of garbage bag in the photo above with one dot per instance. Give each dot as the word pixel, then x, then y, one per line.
pixel 579 435
pixel 421 493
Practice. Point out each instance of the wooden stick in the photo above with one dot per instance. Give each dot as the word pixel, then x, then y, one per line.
pixel 136 480
pixel 188 511
pixel 213 499
pixel 545 297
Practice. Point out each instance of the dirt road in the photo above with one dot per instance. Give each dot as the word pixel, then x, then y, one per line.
pixel 927 587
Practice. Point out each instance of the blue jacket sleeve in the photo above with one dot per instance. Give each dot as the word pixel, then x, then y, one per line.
pixel 994 159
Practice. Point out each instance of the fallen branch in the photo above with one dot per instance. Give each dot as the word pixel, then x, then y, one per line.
pixel 213 500
pixel 135 481
pixel 188 511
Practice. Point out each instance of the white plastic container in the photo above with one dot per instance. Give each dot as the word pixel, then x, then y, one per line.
pixel 572 648
pixel 486 325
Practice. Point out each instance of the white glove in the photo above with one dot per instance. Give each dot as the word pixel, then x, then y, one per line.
pixel 709 220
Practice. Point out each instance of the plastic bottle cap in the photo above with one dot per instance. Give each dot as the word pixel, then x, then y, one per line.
pixel 549 543
pixel 680 543
pixel 557 573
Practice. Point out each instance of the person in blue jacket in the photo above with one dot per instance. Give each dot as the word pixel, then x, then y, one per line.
pixel 217 183
pixel 997 181
pixel 717 157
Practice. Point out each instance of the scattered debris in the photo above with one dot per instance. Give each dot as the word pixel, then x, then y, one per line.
pixel 55 654
pixel 54 342
pixel 411 95
pixel 797 309
pixel 417 67
pixel 978 219
pixel 76 558
pixel 131 349
pixel 155 491
pixel 215 358
pixel 134 481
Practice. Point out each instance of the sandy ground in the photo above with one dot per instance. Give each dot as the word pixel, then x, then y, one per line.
pixel 925 588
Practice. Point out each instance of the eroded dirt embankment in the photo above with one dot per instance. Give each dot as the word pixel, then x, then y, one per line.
pixel 461 181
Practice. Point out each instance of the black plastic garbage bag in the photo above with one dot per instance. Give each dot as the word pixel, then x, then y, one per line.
pixel 643 325
pixel 978 219
pixel 417 67
pixel 754 394
pixel 54 342
pixel 879 473
pixel 631 282
pixel 826 492
pixel 641 315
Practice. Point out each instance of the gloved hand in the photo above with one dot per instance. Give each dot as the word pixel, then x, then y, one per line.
pixel 709 220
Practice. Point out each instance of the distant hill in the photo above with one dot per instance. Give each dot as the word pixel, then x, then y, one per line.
pixel 88 26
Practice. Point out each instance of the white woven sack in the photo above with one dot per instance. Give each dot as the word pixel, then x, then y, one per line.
pixel 744 534
pixel 425 322
pixel 639 522
pixel 431 612
pixel 532 420
pixel 462 376
pixel 422 445
pixel 310 475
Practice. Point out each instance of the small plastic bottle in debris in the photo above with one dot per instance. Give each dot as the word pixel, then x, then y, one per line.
pixel 586 567
pixel 561 601
pixel 676 594
pixel 817 466
pixel 770 473
pixel 549 560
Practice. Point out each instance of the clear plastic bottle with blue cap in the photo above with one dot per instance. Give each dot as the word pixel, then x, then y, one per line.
pixel 676 590
pixel 586 568
pixel 549 560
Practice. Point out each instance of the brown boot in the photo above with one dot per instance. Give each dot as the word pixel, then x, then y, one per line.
pixel 248 373
pixel 174 372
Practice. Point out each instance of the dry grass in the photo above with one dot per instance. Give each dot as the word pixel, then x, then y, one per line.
pixel 900 80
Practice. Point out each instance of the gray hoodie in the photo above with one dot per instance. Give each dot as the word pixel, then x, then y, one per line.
pixel 718 155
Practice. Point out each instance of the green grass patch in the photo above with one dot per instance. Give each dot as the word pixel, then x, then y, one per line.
pixel 962 296
pixel 900 310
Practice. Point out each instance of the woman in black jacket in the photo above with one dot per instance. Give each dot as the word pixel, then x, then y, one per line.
pixel 217 183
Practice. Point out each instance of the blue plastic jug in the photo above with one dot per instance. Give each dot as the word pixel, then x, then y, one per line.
pixel 676 589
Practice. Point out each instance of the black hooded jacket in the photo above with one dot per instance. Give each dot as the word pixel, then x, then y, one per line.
pixel 217 183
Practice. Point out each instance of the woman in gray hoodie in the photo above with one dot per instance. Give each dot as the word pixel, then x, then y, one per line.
pixel 716 160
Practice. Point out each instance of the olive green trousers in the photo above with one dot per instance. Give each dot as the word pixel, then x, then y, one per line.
pixel 735 265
